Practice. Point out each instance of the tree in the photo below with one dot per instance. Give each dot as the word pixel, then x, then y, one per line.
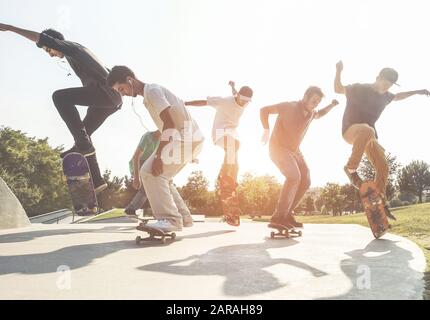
pixel 352 202
pixel 113 196
pixel 258 195
pixel 33 171
pixel 309 205
pixel 415 179
pixel 195 192
pixel 367 172
pixel 332 198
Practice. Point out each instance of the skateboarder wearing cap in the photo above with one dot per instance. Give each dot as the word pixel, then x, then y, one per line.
pixel 364 105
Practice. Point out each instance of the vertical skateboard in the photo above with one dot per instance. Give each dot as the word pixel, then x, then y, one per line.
pixel 283 231
pixel 374 208
pixel 154 234
pixel 80 183
pixel 229 200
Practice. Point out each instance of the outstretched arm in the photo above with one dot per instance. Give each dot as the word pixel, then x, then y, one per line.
pixel 30 35
pixel 403 95
pixel 338 86
pixel 197 103
pixel 321 113
pixel 233 88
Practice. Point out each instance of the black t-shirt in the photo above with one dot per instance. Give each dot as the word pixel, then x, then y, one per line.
pixel 83 62
pixel 291 125
pixel 364 105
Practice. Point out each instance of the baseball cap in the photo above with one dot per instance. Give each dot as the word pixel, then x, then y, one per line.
pixel 389 74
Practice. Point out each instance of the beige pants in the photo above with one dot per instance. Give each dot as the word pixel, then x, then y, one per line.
pixel 363 140
pixel 166 203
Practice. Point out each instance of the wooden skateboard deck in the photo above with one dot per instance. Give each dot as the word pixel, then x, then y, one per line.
pixel 229 201
pixel 154 234
pixel 80 184
pixel 374 208
pixel 283 231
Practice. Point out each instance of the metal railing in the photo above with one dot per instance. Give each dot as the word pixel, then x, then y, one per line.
pixel 52 217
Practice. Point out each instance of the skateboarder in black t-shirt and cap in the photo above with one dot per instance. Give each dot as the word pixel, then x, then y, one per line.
pixel 101 100
pixel 364 105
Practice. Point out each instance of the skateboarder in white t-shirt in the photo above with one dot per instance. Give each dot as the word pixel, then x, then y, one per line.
pixel 229 110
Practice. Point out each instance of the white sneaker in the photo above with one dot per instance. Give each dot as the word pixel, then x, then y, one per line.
pixel 187 221
pixel 164 225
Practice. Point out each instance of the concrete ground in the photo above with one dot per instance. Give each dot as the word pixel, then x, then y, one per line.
pixel 209 261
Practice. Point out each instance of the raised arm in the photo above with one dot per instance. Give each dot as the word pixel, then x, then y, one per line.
pixel 197 103
pixel 404 95
pixel 321 113
pixel 338 86
pixel 233 88
pixel 30 35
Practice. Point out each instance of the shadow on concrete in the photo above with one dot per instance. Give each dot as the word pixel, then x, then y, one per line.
pixel 31 235
pixel 381 271
pixel 241 265
pixel 157 243
pixel 74 257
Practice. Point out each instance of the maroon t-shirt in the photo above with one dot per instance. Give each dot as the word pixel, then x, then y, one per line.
pixel 291 126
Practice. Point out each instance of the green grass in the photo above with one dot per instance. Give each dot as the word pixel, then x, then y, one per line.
pixel 115 213
pixel 413 223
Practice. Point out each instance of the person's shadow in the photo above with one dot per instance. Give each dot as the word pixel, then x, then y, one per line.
pixel 241 265
pixel 76 256
pixel 381 270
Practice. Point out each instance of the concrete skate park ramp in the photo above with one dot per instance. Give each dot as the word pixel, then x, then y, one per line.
pixel 209 261
pixel 12 214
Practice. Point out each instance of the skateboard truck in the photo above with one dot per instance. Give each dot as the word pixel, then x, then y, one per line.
pixel 283 231
pixel 154 234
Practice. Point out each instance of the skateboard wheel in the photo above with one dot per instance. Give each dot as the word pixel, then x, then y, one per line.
pixel 138 239
pixel 272 234
pixel 173 236
pixel 299 233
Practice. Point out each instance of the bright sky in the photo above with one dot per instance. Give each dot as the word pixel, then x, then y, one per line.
pixel 194 47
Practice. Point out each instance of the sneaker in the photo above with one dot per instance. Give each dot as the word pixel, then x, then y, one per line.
pixel 130 212
pixel 100 186
pixel 290 220
pixel 278 220
pixel 164 225
pixel 389 214
pixel 353 178
pixel 84 212
pixel 187 220
pixel 65 153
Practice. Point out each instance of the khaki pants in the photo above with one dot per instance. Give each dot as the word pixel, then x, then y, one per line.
pixel 165 201
pixel 363 140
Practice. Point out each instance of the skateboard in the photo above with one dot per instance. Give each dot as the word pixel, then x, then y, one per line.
pixel 374 208
pixel 154 234
pixel 229 200
pixel 144 220
pixel 283 231
pixel 80 184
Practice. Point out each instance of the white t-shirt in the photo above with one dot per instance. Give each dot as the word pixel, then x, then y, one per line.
pixel 157 99
pixel 227 116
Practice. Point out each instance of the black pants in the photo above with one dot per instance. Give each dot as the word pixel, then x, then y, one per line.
pixel 101 101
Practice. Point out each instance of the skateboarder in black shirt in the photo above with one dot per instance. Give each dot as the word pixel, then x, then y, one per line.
pixel 101 100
